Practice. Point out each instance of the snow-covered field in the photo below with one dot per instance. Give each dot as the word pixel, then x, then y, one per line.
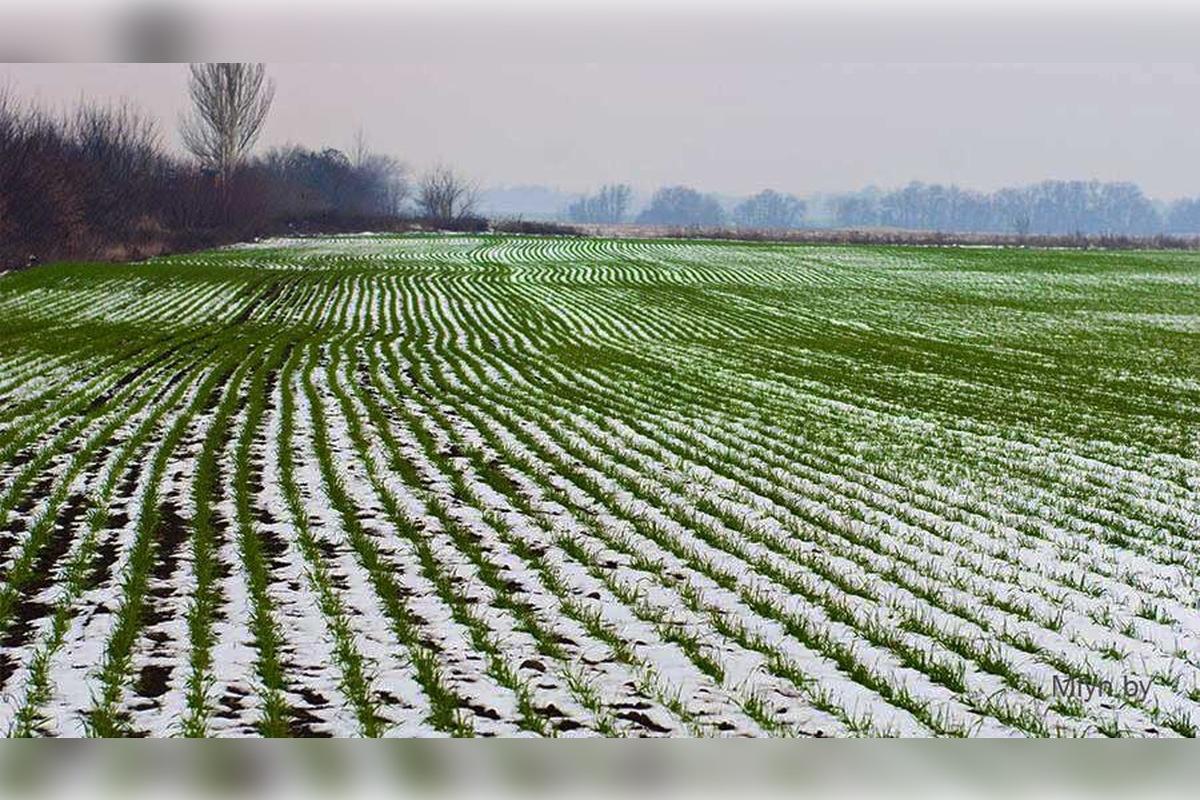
pixel 427 485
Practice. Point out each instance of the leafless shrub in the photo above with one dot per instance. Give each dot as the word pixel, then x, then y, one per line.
pixel 121 165
pixel 43 209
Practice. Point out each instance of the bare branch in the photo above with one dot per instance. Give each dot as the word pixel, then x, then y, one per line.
pixel 444 196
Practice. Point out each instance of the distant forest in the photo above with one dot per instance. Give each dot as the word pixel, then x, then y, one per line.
pixel 1091 208
pixel 1049 207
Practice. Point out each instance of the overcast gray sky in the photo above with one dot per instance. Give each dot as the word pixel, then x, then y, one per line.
pixel 725 100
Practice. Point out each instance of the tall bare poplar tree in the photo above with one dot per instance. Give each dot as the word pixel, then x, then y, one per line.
pixel 229 105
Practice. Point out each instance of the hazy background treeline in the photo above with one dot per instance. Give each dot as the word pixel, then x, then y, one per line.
pixel 1052 207
pixel 1048 207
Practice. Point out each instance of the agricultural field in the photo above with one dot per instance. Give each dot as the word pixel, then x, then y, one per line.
pixel 441 485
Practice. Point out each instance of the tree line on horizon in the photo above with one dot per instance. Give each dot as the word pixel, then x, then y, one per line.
pixel 687 207
pixel 1052 207
pixel 1045 208
pixel 97 182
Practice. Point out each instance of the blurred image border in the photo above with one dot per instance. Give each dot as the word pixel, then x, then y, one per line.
pixel 659 769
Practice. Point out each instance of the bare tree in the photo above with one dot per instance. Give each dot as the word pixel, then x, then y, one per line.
pixel 444 196
pixel 230 102
pixel 384 177
pixel 387 178
pixel 609 205
pixel 682 205
pixel 614 200
pixel 769 210
pixel 360 151
pixel 1020 225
